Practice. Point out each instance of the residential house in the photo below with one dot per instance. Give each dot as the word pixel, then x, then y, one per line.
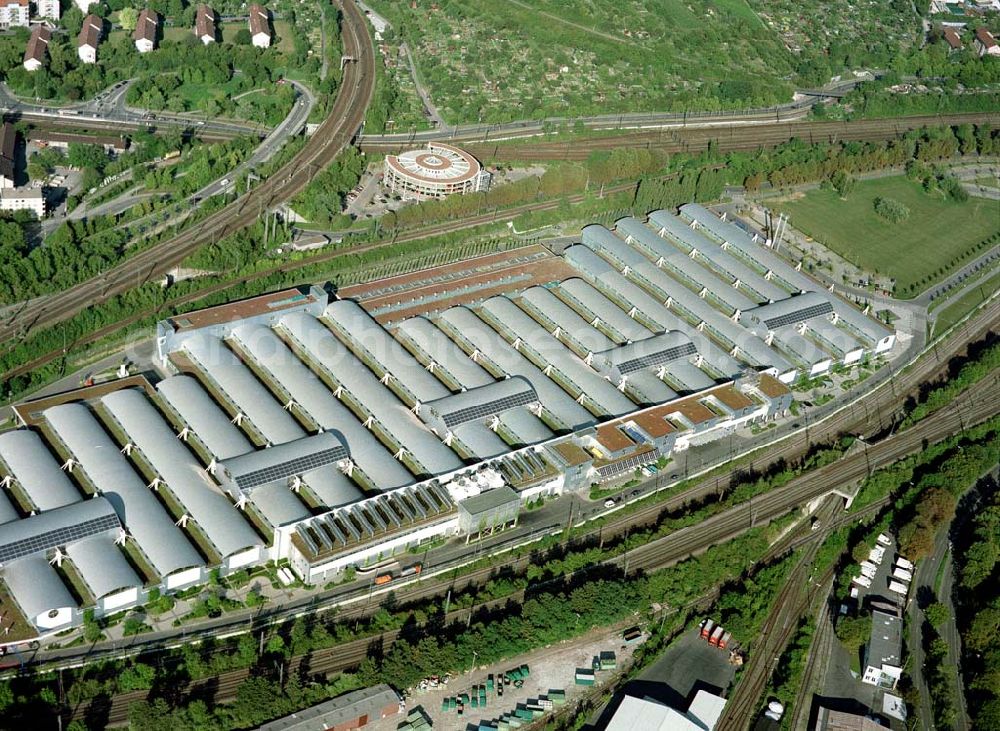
pixel 14 13
pixel 260 26
pixel 23 199
pixel 985 43
pixel 38 48
pixel 84 5
pixel 204 25
pixel 89 38
pixel 145 30
pixel 8 147
pixel 48 9
pixel 952 39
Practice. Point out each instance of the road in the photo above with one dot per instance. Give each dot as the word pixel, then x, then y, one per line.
pixel 109 111
pixel 656 554
pixel 924 579
pixel 290 126
pixel 335 133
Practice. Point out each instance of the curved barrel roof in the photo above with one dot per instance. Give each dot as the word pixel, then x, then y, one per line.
pixel 36 470
pixel 163 543
pixel 222 523
pixel 204 417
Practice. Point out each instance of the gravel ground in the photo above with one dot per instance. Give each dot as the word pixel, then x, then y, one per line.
pixel 551 667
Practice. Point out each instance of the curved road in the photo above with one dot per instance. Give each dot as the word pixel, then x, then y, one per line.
pixel 335 133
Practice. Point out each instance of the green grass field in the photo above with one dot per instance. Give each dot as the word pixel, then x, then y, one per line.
pixel 914 251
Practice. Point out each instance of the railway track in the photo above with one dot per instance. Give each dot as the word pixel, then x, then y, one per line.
pixel 335 133
pixel 658 554
pixel 725 138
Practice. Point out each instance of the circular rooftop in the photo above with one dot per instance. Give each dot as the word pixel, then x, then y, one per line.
pixel 436 163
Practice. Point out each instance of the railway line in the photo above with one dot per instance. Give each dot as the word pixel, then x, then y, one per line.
pixel 725 138
pixel 657 554
pixel 336 132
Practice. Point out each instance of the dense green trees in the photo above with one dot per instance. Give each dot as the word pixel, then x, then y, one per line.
pixel 977 599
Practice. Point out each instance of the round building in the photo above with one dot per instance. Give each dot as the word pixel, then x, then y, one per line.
pixel 434 172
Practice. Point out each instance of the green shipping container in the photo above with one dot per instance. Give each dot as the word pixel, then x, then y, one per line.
pixel 524 671
pixel 475 701
pixel 584 681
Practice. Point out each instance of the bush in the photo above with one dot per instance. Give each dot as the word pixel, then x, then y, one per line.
pixel 891 210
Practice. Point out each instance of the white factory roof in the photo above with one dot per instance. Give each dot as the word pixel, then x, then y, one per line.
pixel 36 586
pixel 37 472
pixel 163 543
pixel 45 531
pixel 422 333
pixel 7 511
pixel 508 315
pixel 279 505
pixel 383 349
pixel 545 306
pixel 602 309
pixel 183 474
pixel 771 261
pixel 639 234
pixel 237 382
pixel 204 417
pixel 689 239
pixel 610 281
pixel 354 377
pixel 316 399
pixel 465 325
pixel 103 566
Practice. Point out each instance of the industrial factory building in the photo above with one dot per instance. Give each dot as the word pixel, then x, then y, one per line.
pixel 335 435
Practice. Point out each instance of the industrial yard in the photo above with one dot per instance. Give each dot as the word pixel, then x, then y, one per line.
pixel 550 669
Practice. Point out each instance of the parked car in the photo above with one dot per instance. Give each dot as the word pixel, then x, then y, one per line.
pixel 609 503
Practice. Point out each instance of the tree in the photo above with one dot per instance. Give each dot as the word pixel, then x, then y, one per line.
pixel 937 614
pixel 242 37
pixel 891 210
pixel 843 183
pixel 127 18
pixel 854 631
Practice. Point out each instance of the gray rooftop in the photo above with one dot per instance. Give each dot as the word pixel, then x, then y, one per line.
pixel 56 528
pixel 204 417
pixel 599 307
pixel 383 349
pixel 886 643
pixel 489 500
pixel 462 323
pixel 163 543
pixel 688 239
pixel 37 587
pixel 328 353
pixel 31 463
pixel 183 474
pixel 422 333
pixel 237 382
pixel 338 711
pixel 509 316
pixel 313 396
pixel 103 566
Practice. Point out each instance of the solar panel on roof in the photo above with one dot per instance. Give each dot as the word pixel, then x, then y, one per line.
pixel 660 357
pixel 290 468
pixel 58 537
pixel 490 408
pixel 791 318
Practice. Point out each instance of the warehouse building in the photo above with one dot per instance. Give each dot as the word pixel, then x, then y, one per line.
pixel 289 426
pixel 352 710
pixel 437 171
